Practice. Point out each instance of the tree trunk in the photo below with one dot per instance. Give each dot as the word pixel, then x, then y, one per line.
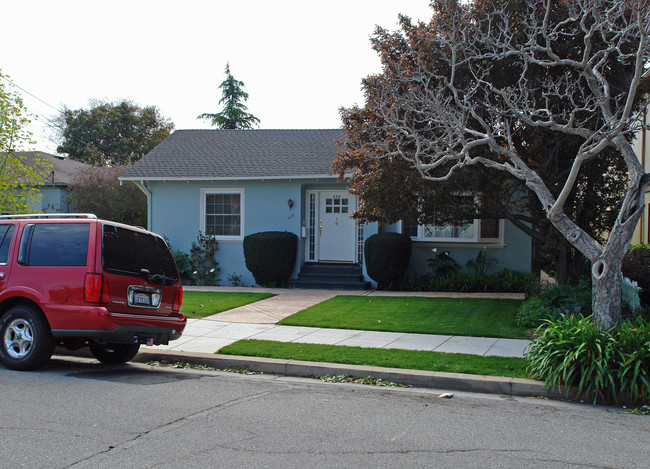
pixel 606 291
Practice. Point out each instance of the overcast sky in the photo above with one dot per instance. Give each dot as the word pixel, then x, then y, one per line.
pixel 300 60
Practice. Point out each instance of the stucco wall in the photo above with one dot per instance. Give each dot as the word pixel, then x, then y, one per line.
pixel 515 253
pixel 52 199
pixel 175 212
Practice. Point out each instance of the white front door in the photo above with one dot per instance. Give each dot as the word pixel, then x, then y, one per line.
pixel 336 231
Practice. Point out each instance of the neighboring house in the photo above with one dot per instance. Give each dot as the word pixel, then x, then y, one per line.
pixel 55 183
pixel 232 183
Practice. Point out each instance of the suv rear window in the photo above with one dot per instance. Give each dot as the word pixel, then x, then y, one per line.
pixel 6 233
pixel 54 244
pixel 128 252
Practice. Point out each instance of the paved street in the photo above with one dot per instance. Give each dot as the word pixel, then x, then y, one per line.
pixel 76 413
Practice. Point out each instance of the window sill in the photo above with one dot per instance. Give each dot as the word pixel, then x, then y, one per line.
pixel 461 244
pixel 229 239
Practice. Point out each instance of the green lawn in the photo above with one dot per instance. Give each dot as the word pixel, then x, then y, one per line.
pixel 392 358
pixel 199 304
pixel 445 316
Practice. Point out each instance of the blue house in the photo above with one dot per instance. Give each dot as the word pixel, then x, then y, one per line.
pixel 232 183
pixel 54 184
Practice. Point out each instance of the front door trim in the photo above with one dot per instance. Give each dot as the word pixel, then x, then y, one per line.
pixel 343 247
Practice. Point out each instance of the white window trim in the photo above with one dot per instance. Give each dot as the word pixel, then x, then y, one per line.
pixel 207 191
pixel 499 240
pixel 474 240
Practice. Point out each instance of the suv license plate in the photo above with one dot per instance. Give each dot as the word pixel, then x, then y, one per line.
pixel 142 299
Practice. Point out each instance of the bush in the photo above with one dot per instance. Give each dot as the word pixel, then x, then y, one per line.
pixel 505 281
pixel 554 302
pixel 182 260
pixel 271 256
pixel 387 257
pixel 183 263
pixel 636 266
pixel 532 313
pixel 202 262
pixel 442 265
pixel 600 365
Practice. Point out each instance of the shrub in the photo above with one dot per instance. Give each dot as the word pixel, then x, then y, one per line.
pixel 554 302
pixel 481 263
pixel 183 263
pixel 387 257
pixel 202 262
pixel 531 313
pixel 182 260
pixel 271 256
pixel 442 264
pixel 601 365
pixel 505 281
pixel 636 266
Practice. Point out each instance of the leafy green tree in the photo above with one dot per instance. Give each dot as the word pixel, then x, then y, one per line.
pixel 19 181
pixel 97 189
pixel 112 133
pixel 234 114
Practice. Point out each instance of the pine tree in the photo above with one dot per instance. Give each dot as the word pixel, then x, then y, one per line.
pixel 234 114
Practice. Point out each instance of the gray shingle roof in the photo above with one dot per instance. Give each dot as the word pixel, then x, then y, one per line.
pixel 245 154
pixel 63 168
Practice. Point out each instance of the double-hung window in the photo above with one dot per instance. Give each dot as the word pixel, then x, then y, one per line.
pixel 223 211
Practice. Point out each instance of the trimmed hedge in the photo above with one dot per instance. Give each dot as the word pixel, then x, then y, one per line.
pixel 636 266
pixel 387 257
pixel 271 256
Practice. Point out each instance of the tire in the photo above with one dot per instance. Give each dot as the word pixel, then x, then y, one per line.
pixel 26 341
pixel 114 354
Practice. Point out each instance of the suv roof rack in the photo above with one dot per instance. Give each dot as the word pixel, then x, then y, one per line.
pixel 50 215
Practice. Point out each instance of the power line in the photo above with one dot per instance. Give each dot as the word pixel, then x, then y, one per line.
pixel 31 94
pixel 44 120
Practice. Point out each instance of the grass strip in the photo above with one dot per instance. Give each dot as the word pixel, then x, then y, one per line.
pixel 391 358
pixel 477 317
pixel 200 304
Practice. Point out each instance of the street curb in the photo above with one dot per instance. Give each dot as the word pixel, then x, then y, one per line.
pixel 417 378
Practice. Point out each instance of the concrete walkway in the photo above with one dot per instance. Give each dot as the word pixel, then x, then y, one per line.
pixel 258 321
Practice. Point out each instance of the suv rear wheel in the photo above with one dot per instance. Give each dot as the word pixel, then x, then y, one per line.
pixel 113 354
pixel 26 339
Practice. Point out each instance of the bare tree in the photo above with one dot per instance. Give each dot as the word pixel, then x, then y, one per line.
pixel 573 67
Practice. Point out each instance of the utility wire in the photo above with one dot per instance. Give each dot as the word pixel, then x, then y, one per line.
pixel 32 95
pixel 49 123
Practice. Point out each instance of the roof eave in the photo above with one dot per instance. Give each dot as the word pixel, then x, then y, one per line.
pixel 231 178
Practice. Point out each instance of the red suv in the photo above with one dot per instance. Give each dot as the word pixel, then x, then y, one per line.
pixel 74 280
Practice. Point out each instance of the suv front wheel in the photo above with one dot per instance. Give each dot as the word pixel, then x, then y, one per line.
pixel 26 339
pixel 114 354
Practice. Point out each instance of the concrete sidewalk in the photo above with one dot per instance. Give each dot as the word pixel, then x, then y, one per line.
pixel 258 321
pixel 203 337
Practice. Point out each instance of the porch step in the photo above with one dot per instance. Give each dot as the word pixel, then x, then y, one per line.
pixel 331 277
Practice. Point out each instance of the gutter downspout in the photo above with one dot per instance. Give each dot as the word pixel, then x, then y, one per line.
pixel 143 186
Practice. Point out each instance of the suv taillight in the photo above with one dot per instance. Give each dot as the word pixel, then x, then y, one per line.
pixel 96 288
pixel 178 299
